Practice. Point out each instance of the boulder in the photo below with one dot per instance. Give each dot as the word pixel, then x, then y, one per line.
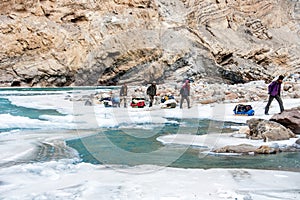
pixel 246 149
pixel 264 149
pixel 208 100
pixel 252 124
pixel 231 96
pixel 297 144
pixel 244 130
pixel 268 130
pixel 241 148
pixel 289 118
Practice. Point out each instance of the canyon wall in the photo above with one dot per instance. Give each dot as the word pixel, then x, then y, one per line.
pixel 108 42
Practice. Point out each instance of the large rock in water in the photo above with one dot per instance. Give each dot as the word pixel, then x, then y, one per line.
pixel 246 149
pixel 268 130
pixel 289 118
pixel 242 148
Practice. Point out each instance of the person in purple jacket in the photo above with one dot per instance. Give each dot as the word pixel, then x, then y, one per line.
pixel 274 92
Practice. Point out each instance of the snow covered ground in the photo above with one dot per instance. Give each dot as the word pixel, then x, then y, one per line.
pixel 64 180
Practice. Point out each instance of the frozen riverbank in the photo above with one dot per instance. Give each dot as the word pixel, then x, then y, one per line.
pixel 37 164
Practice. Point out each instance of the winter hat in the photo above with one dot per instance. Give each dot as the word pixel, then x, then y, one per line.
pixel 280 77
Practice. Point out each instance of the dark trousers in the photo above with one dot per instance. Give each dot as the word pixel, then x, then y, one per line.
pixel 271 98
pixel 183 97
pixel 151 100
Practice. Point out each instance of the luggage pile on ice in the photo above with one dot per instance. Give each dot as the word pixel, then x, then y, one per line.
pixel 137 102
pixel 168 101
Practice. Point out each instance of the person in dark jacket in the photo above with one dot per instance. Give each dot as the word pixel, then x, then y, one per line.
pixel 123 94
pixel 185 93
pixel 274 93
pixel 151 91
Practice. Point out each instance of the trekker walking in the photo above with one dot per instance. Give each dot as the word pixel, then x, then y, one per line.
pixel 185 93
pixel 274 92
pixel 151 91
pixel 123 94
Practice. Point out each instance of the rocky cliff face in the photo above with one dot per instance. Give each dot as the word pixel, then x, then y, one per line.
pixel 103 42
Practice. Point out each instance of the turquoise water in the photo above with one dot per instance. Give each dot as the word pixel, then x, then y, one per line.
pixel 7 108
pixel 95 149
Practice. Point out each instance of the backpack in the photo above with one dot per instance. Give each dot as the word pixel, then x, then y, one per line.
pixel 184 91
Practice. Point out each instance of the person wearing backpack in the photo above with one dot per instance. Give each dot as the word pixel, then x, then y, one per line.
pixel 274 93
pixel 185 93
pixel 151 91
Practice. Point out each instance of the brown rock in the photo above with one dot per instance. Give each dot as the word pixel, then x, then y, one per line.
pixel 208 100
pixel 290 119
pixel 231 96
pixel 266 150
pixel 252 123
pixel 241 148
pixel 134 41
pixel 268 130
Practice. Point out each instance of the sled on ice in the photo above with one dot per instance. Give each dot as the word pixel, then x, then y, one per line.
pixel 242 109
pixel 137 102
pixel 109 101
